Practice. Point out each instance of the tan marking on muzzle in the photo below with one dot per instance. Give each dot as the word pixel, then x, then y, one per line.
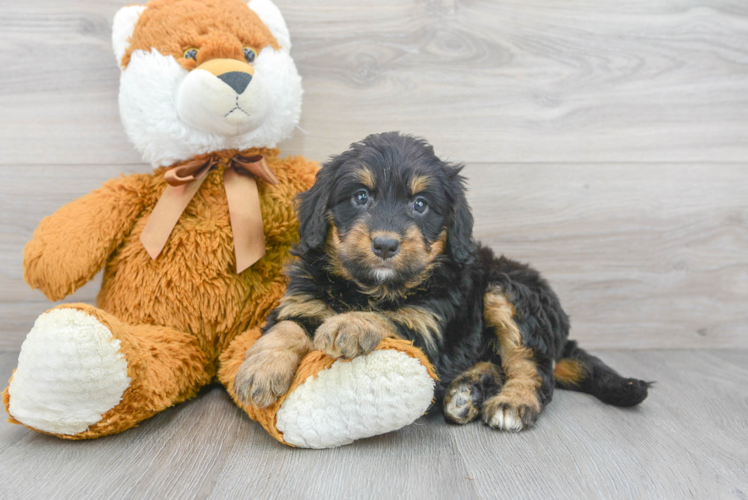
pixel 218 67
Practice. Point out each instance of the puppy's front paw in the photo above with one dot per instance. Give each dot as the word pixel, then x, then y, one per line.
pixel 352 334
pixel 506 412
pixel 264 376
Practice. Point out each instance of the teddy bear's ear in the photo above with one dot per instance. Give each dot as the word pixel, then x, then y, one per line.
pixel 123 27
pixel 273 19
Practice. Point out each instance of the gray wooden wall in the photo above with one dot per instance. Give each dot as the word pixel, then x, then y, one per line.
pixel 605 142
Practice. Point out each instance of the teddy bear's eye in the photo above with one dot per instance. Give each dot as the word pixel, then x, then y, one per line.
pixel 191 53
pixel 249 54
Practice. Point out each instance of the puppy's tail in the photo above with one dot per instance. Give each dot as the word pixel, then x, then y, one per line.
pixel 580 371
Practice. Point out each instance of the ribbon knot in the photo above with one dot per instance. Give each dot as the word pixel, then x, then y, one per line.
pixel 242 196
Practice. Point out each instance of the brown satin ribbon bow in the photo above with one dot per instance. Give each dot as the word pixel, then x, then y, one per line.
pixel 241 193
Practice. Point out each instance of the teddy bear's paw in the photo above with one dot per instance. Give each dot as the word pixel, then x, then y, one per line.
pixel 350 334
pixel 265 376
pixel 70 372
pixel 367 396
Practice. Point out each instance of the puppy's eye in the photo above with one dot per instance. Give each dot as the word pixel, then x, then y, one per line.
pixel 361 198
pixel 191 53
pixel 420 205
pixel 249 54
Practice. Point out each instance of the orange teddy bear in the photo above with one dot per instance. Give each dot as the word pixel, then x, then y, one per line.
pixel 193 252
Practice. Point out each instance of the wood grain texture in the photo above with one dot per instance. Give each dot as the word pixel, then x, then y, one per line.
pixel 486 81
pixel 26 197
pixel 688 440
pixel 544 101
pixel 642 256
pixel 684 441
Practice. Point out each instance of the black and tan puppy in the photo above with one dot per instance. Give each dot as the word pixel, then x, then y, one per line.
pixel 387 251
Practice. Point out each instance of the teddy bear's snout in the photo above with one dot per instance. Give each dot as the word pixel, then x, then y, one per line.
pixel 225 97
pixel 235 74
pixel 236 80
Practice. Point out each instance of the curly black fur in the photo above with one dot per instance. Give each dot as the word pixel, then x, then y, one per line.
pixel 452 287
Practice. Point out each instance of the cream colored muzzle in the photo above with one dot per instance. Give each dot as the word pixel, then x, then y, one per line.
pixel 225 97
pixel 233 73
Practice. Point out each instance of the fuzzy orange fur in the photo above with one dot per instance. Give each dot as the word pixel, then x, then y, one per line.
pixel 177 314
pixel 186 317
pixel 166 367
pixel 221 28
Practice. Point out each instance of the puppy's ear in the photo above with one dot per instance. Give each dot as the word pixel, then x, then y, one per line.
pixel 460 227
pixel 314 204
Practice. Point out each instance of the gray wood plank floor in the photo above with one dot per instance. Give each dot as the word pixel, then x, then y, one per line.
pixel 688 440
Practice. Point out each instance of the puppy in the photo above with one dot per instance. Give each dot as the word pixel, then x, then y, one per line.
pixel 386 250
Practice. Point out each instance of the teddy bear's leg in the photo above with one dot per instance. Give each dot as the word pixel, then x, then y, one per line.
pixel 333 402
pixel 83 374
pixel 229 363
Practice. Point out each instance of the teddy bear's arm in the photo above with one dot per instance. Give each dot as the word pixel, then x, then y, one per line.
pixel 70 246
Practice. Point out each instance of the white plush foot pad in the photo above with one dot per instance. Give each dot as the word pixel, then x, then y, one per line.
pixel 370 395
pixel 69 373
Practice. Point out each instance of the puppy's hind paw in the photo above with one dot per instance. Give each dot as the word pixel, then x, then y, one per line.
pixel 461 402
pixel 508 416
pixel 466 393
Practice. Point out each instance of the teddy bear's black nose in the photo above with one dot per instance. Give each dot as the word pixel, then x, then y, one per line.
pixel 237 80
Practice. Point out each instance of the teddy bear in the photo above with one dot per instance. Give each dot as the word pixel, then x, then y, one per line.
pixel 193 253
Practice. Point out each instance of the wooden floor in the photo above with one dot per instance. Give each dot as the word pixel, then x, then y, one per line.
pixel 689 439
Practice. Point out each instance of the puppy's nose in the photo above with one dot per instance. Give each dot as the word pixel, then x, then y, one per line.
pixel 385 246
pixel 237 80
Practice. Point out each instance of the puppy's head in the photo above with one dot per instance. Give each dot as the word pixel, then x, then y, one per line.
pixel 387 211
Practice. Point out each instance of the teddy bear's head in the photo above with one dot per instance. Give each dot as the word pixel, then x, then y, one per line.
pixel 200 76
